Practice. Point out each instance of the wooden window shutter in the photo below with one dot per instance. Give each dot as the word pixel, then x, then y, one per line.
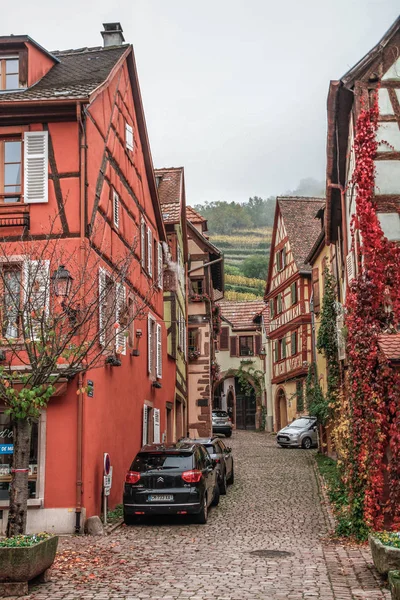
pixel 315 282
pixel 293 293
pixel 233 345
pixel 145 419
pixel 116 208
pixel 159 265
pixel 149 251
pixel 159 351
pixel 224 338
pixel 156 423
pixel 150 344
pixel 143 243
pixel 293 343
pixel 276 351
pixel 36 168
pixel 351 271
pixel 102 299
pixel 283 258
pixel 272 308
pixel 120 338
pixel 257 341
pixel 279 304
pixel 128 136
pixel 36 286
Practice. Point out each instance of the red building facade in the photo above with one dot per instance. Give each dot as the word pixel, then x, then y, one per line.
pixel 76 168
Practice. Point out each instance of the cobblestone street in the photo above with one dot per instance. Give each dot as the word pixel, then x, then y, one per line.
pixel 274 505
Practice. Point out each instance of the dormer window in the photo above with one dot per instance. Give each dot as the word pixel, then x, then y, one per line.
pixel 9 73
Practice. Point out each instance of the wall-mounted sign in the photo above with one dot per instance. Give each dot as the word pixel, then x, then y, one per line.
pixel 6 448
pixel 108 483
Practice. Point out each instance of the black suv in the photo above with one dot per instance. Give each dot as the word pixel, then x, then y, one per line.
pixel 221 455
pixel 175 479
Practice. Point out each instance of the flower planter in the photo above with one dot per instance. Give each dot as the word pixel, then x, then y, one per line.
pixel 394 584
pixel 385 558
pixel 18 565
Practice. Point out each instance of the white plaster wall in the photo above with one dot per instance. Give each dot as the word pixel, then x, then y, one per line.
pixel 51 520
pixel 385 106
pixel 390 133
pixel 387 177
pixel 393 72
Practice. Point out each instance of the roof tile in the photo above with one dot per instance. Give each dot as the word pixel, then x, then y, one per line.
pixel 389 343
pixel 241 315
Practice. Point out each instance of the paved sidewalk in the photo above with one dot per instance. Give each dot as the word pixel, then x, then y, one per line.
pixel 274 505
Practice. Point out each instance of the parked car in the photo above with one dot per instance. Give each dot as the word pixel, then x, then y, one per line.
pixel 221 422
pixel 223 459
pixel 175 479
pixel 301 433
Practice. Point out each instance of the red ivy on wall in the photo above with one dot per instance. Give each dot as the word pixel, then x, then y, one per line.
pixel 372 463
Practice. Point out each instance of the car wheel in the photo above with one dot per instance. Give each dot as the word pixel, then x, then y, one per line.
pixel 228 434
pixel 201 518
pixel 215 500
pixel 307 443
pixel 129 519
pixel 223 485
pixel 231 478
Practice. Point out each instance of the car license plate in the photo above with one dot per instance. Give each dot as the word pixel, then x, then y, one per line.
pixel 160 498
pixel 220 422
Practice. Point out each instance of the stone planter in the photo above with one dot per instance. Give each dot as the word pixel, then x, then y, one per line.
pixel 394 584
pixel 385 558
pixel 20 565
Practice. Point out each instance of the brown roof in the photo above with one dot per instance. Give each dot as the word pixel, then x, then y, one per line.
pixel 241 315
pixel 169 185
pixel 77 74
pixel 171 213
pixel 302 226
pixel 193 216
pixel 389 343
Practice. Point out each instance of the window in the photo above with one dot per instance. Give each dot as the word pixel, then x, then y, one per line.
pixel 293 343
pixel 10 170
pixel 11 301
pixel 9 73
pixel 281 259
pixel 116 208
pixel 246 345
pixel 129 137
pixel 7 449
pixel 193 340
pixel 197 286
pixel 293 293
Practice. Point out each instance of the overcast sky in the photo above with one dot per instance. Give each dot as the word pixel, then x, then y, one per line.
pixel 233 90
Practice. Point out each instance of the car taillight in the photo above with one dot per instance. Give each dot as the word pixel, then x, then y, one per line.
pixel 191 476
pixel 217 460
pixel 230 420
pixel 132 477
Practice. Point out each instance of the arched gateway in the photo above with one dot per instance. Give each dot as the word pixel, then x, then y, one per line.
pixel 281 417
pixel 243 404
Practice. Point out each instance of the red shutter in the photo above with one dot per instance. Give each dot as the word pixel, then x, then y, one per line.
pixel 315 283
pixel 224 338
pixel 258 344
pixel 233 343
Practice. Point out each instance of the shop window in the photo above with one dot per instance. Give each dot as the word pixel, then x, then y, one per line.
pixel 10 170
pixel 246 347
pixel 6 452
pixel 9 73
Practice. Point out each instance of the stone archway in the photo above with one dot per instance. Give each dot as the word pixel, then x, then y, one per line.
pixel 230 406
pixel 246 406
pixel 281 418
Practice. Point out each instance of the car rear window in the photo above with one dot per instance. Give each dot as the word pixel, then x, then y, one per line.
pixel 212 449
pixel 154 461
pixel 220 413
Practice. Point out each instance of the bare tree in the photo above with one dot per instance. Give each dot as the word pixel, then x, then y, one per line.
pixel 64 311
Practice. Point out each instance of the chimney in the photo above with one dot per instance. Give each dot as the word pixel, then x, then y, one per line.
pixel 112 35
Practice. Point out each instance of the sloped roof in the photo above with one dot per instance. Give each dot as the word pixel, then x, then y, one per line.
pixel 389 343
pixel 77 74
pixel 169 184
pixel 170 212
pixel 193 216
pixel 302 226
pixel 241 315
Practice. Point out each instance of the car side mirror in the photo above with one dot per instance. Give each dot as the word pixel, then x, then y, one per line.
pixel 314 428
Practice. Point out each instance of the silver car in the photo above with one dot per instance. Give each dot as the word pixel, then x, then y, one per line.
pixel 221 422
pixel 301 433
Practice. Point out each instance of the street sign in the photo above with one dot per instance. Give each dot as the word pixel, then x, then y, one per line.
pixel 90 388
pixel 107 482
pixel 107 463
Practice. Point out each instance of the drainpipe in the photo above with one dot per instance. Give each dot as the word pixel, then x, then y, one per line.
pixel 82 204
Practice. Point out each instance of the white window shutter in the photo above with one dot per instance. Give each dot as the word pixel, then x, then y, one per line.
pixel 36 283
pixel 145 418
pixel 128 136
pixel 160 265
pixel 149 251
pixel 36 169
pixel 340 338
pixel 120 339
pixel 184 338
pixel 159 351
pixel 350 266
pixel 157 437
pixel 116 208
pixel 143 243
pixel 150 344
pixel 102 293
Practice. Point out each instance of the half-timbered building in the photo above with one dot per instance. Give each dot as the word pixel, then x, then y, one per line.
pixel 171 192
pixel 288 292
pixel 206 287
pixel 76 169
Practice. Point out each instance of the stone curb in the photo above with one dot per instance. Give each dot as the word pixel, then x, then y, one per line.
pixel 325 503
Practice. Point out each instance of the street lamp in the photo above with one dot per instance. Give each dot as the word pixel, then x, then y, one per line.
pixel 62 282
